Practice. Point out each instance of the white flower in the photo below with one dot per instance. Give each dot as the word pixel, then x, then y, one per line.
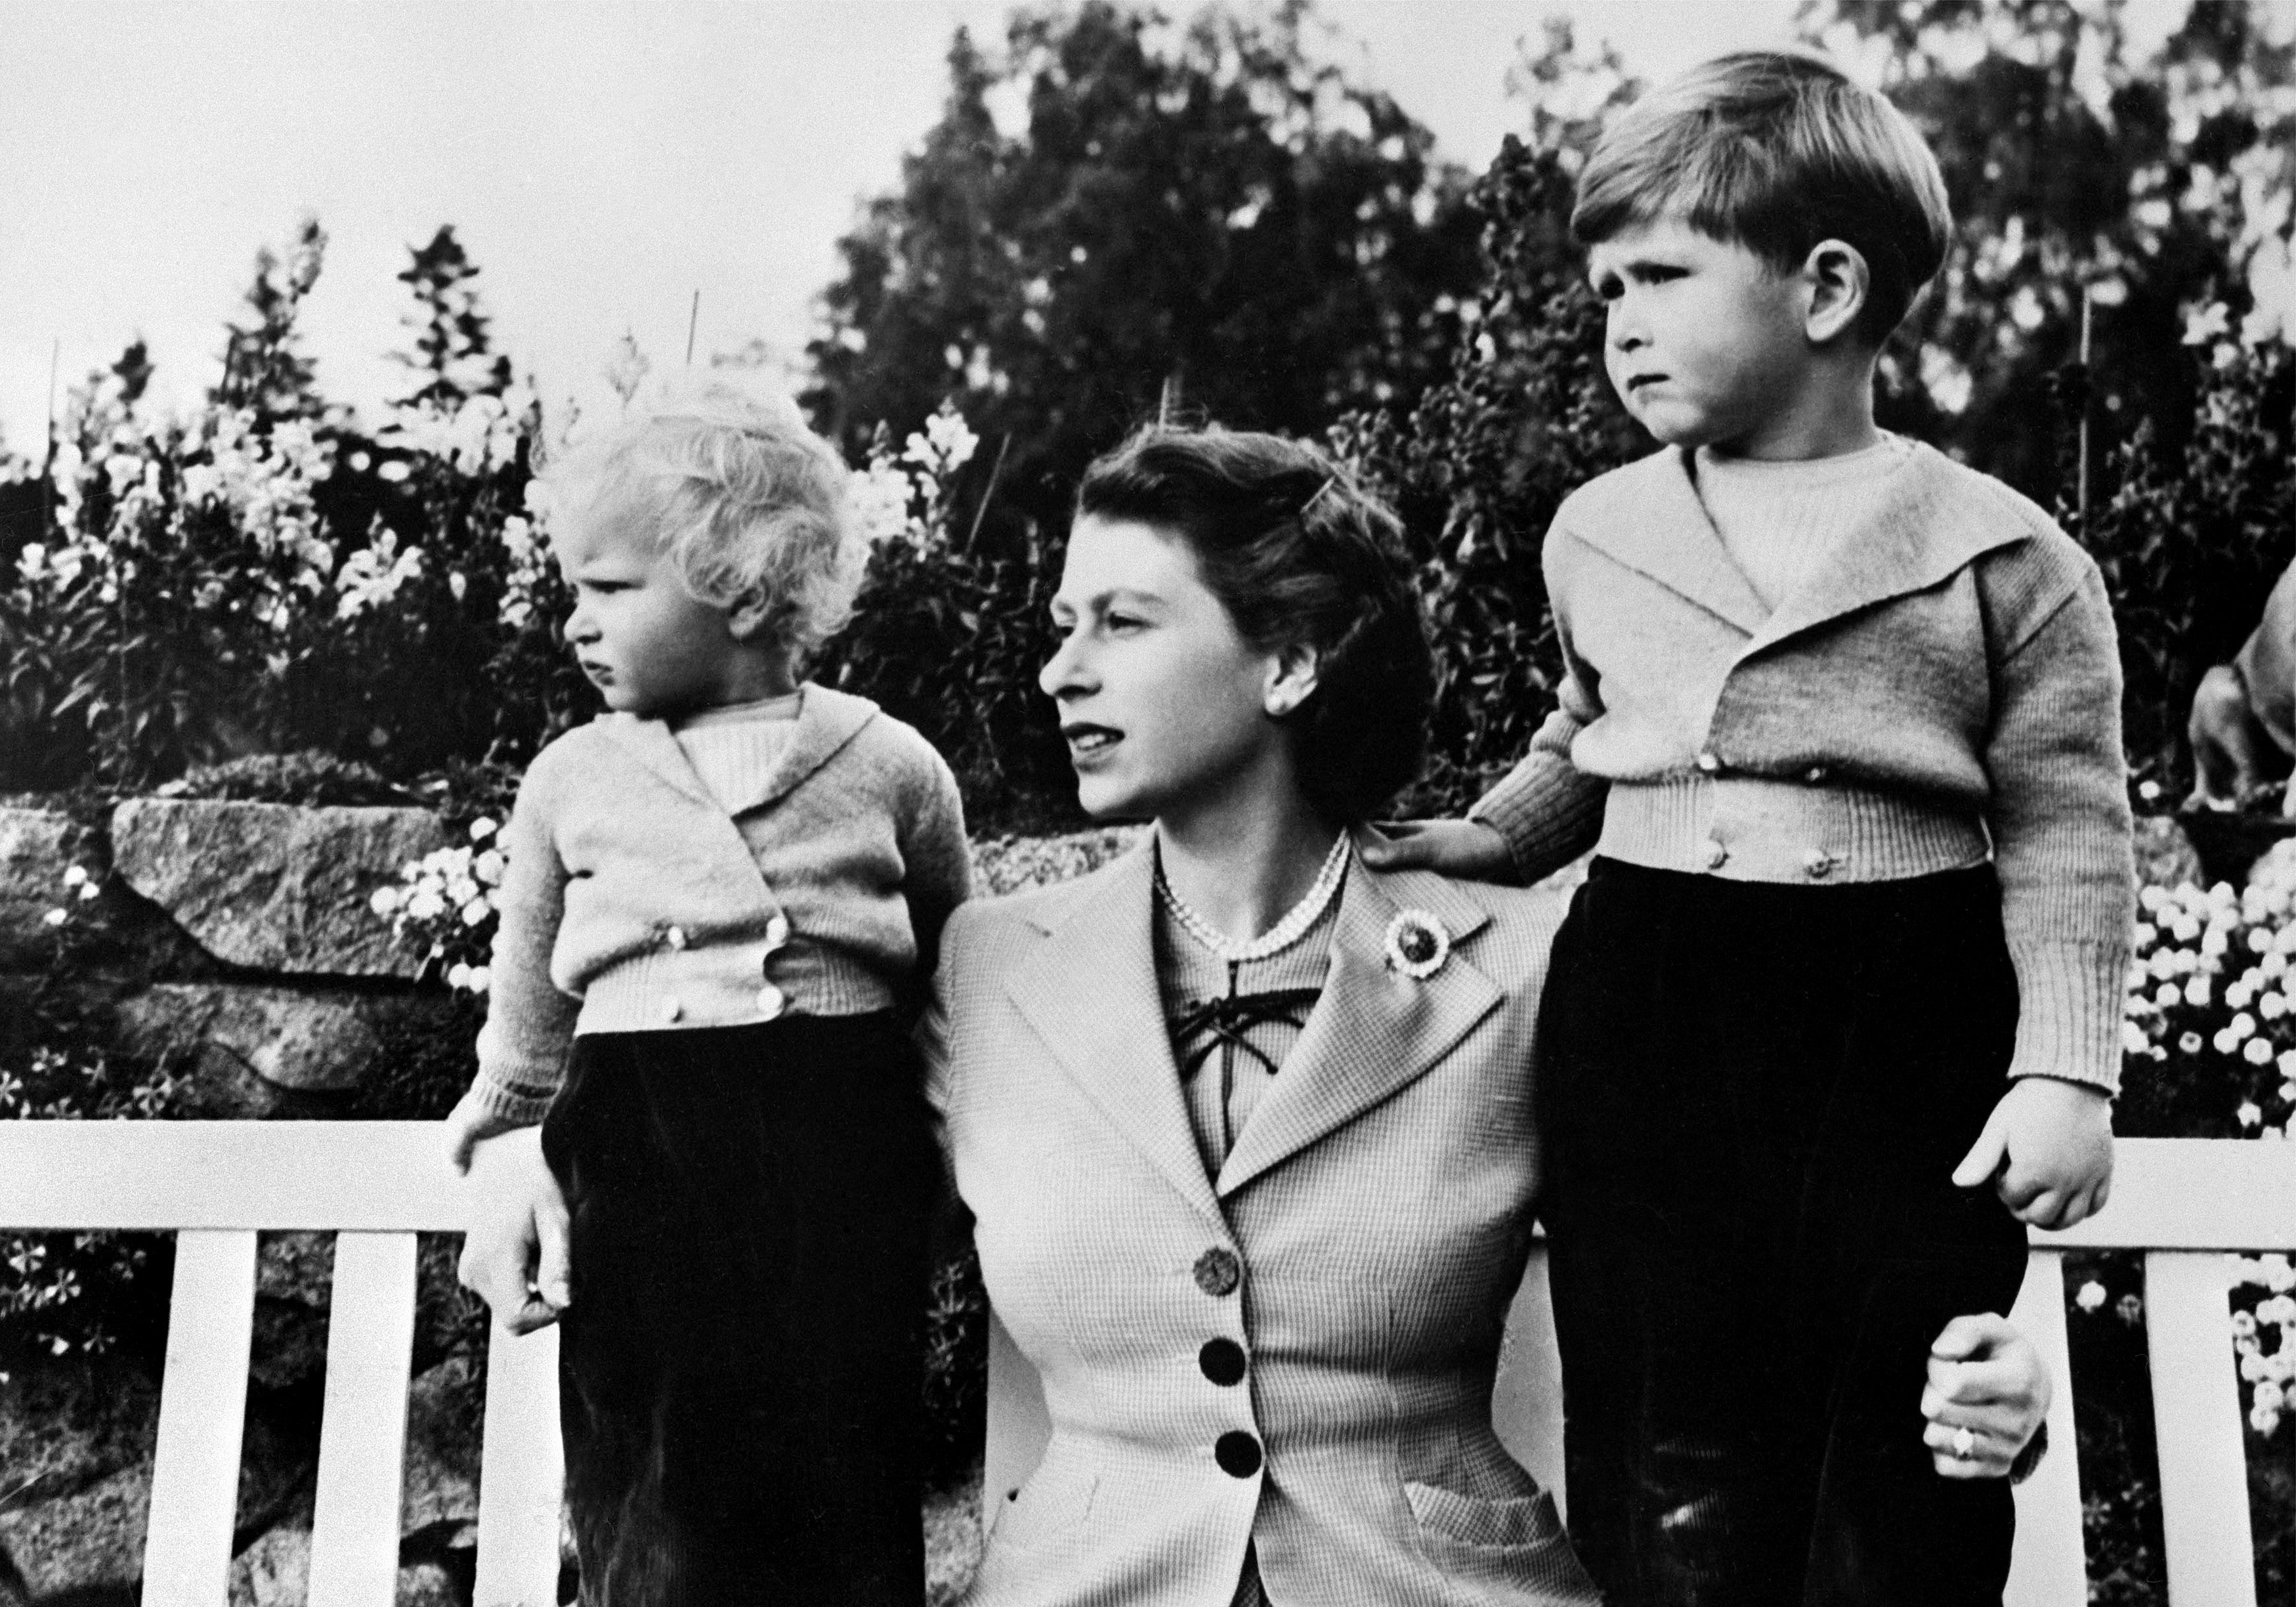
pixel 2196 991
pixel 487 867
pixel 2272 1006
pixel 2243 1324
pixel 57 917
pixel 476 911
pixel 2190 1044
pixel 2261 1420
pixel 2258 1052
pixel 425 905
pixel 75 875
pixel 458 975
pixel 482 829
pixel 384 901
pixel 2251 1367
pixel 480 976
pixel 2149 791
pixel 2133 1040
pixel 2248 1114
pixel 88 889
pixel 2091 1296
pixel 2259 941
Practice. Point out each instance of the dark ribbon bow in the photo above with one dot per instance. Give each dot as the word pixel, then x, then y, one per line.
pixel 1226 1020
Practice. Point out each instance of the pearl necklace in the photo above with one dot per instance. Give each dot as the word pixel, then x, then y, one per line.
pixel 1277 937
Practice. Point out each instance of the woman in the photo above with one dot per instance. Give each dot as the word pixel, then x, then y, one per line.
pixel 1246 1129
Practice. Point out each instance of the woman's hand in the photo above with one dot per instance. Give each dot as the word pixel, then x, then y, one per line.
pixel 1986 1377
pixel 514 1246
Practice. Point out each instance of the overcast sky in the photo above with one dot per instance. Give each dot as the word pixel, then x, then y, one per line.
pixel 600 162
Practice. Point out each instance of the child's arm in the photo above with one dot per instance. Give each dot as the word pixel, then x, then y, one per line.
pixel 514 1250
pixel 936 860
pixel 2060 828
pixel 1541 815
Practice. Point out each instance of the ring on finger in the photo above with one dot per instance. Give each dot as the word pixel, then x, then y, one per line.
pixel 1964 1443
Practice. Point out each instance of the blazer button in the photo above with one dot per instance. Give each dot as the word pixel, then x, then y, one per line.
pixel 1218 1271
pixel 1237 1453
pixel 1222 1360
pixel 1716 855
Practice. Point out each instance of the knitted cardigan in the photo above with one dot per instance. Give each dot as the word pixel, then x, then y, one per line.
pixel 1946 685
pixel 634 901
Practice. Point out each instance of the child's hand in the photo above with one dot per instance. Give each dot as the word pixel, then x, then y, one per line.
pixel 2048 1149
pixel 1986 1377
pixel 468 1125
pixel 514 1250
pixel 1465 849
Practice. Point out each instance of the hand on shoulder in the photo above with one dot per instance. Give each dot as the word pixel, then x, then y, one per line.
pixel 1465 849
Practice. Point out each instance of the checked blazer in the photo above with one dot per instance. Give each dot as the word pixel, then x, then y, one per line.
pixel 1360 1246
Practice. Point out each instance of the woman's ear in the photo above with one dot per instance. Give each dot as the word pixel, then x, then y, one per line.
pixel 1292 676
pixel 1838 279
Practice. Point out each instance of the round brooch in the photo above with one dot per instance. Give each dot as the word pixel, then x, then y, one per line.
pixel 1417 945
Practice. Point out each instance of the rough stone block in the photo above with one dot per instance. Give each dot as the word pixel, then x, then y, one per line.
pixel 36 848
pixel 88 1543
pixel 444 1410
pixel 273 887
pixel 314 1043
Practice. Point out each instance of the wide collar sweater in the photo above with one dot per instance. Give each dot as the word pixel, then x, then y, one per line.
pixel 634 900
pixel 1944 685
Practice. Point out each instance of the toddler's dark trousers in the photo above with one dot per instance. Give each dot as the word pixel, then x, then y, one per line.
pixel 739 1376
pixel 1754 1097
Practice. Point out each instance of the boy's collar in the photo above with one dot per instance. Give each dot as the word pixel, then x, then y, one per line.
pixel 1924 531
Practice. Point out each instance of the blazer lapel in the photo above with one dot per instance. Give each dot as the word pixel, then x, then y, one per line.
pixel 1911 543
pixel 1090 994
pixel 826 720
pixel 1671 540
pixel 653 745
pixel 1374 1030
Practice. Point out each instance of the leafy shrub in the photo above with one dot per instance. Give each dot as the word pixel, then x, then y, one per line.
pixel 1477 470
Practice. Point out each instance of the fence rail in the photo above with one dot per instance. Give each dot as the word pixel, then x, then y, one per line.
pixel 2186 1203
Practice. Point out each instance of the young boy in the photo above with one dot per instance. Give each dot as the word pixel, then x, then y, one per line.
pixel 1842 718
pixel 718 897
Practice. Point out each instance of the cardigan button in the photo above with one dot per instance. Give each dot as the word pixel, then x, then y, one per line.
pixel 1218 1271
pixel 1716 855
pixel 1237 1453
pixel 671 1009
pixel 777 931
pixel 675 936
pixel 1815 775
pixel 771 1001
pixel 1818 863
pixel 1709 762
pixel 1222 1361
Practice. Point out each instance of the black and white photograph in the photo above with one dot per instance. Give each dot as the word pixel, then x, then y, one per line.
pixel 1148 803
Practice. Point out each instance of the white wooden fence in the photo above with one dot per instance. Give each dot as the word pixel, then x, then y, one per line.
pixel 377 1183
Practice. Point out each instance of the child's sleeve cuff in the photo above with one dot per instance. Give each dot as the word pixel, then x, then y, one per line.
pixel 2070 1000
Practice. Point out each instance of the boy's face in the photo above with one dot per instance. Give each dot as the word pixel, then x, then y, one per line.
pixel 1706 343
pixel 648 645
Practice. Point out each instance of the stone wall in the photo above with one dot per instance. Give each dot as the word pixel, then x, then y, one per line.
pixel 235 939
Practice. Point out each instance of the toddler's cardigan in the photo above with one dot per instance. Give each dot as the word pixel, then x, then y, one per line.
pixel 634 901
pixel 1945 682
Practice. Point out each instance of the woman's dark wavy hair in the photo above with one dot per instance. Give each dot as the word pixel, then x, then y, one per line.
pixel 1299 555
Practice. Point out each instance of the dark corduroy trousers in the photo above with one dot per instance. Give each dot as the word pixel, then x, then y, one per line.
pixel 1755 1096
pixel 739 1374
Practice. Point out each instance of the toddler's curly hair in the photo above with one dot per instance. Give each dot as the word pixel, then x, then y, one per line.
pixel 741 496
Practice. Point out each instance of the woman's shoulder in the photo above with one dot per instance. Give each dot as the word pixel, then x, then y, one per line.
pixel 1505 931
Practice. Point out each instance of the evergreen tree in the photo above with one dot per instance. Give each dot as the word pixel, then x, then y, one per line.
pixel 453 352
pixel 1204 214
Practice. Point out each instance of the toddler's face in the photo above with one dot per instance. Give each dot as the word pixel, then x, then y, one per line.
pixel 1705 342
pixel 646 643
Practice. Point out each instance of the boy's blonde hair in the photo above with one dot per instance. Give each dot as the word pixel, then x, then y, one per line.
pixel 741 496
pixel 1776 151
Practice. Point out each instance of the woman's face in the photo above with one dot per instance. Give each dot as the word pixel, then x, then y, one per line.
pixel 1165 706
